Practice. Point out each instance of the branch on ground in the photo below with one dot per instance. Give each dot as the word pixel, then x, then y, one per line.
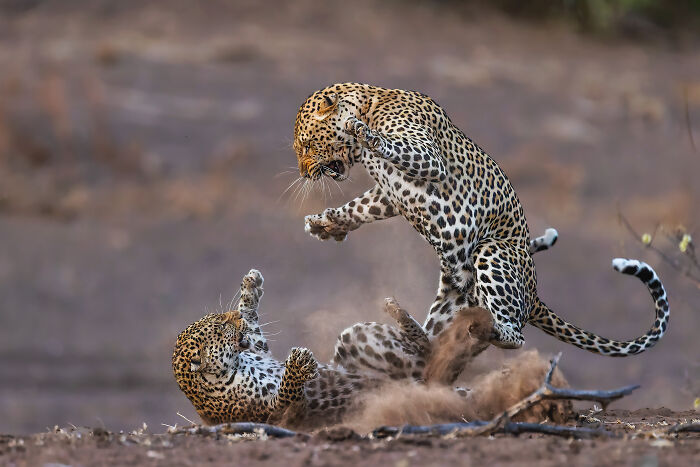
pixel 242 428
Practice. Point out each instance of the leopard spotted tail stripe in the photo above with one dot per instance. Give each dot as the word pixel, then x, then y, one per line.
pixel 545 319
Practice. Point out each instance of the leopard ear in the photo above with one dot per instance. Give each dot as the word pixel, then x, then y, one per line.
pixel 328 106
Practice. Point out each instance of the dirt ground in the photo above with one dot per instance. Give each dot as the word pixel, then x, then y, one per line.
pixel 144 157
pixel 641 442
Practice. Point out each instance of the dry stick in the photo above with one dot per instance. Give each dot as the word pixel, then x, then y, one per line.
pixel 477 428
pixel 516 428
pixel 685 428
pixel 672 262
pixel 238 429
pixel 503 424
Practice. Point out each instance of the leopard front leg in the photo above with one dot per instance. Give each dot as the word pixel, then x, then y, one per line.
pixel 299 368
pixel 337 222
pixel 411 151
pixel 251 292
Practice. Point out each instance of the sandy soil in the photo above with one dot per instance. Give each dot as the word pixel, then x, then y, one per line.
pixel 641 442
pixel 144 153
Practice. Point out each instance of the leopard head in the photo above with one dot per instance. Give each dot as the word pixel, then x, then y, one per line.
pixel 321 143
pixel 206 352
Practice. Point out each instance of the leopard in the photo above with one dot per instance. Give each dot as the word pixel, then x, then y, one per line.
pixel 223 365
pixel 456 197
pixel 406 351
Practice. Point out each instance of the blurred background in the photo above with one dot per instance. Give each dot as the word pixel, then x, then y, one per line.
pixel 145 147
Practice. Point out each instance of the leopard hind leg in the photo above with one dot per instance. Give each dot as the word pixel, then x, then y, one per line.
pixel 503 288
pixel 382 350
pixel 468 334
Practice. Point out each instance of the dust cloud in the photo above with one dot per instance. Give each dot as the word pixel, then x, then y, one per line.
pixel 398 403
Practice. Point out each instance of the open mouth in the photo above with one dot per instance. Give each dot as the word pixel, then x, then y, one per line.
pixel 334 169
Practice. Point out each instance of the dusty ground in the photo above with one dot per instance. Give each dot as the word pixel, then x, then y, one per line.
pixel 144 153
pixel 641 443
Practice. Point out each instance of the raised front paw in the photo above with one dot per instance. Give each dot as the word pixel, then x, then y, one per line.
pixel 325 225
pixel 252 280
pixel 302 364
pixel 362 133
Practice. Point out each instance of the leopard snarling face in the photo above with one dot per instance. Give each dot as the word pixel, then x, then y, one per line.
pixel 206 351
pixel 322 145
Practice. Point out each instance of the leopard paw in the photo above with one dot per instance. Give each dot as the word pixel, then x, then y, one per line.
pixel 301 363
pixel 325 226
pixel 362 133
pixel 356 128
pixel 252 280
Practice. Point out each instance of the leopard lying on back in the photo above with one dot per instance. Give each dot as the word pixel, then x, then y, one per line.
pixel 223 365
pixel 457 197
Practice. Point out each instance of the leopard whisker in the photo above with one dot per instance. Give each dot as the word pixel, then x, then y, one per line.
pixel 339 187
pixel 300 189
pixel 284 172
pixel 270 322
pixel 311 186
pixel 289 187
pixel 328 187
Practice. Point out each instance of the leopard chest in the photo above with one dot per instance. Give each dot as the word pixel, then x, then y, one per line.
pixel 256 379
pixel 440 213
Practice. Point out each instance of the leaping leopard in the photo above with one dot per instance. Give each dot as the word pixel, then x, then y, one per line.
pixel 456 196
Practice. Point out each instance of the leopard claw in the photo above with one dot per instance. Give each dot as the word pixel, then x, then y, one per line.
pixel 325 226
pixel 253 279
pixel 301 362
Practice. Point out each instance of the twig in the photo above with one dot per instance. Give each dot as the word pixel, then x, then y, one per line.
pixel 239 429
pixel 685 428
pixel 439 429
pixel 549 392
pixel 476 427
pixel 185 418
pixel 516 428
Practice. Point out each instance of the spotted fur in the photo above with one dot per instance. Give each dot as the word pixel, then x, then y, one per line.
pixel 456 196
pixel 223 365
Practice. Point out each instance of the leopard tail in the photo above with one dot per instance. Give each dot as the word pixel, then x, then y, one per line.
pixel 545 319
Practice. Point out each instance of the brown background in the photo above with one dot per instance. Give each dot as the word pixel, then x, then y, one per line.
pixel 145 146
